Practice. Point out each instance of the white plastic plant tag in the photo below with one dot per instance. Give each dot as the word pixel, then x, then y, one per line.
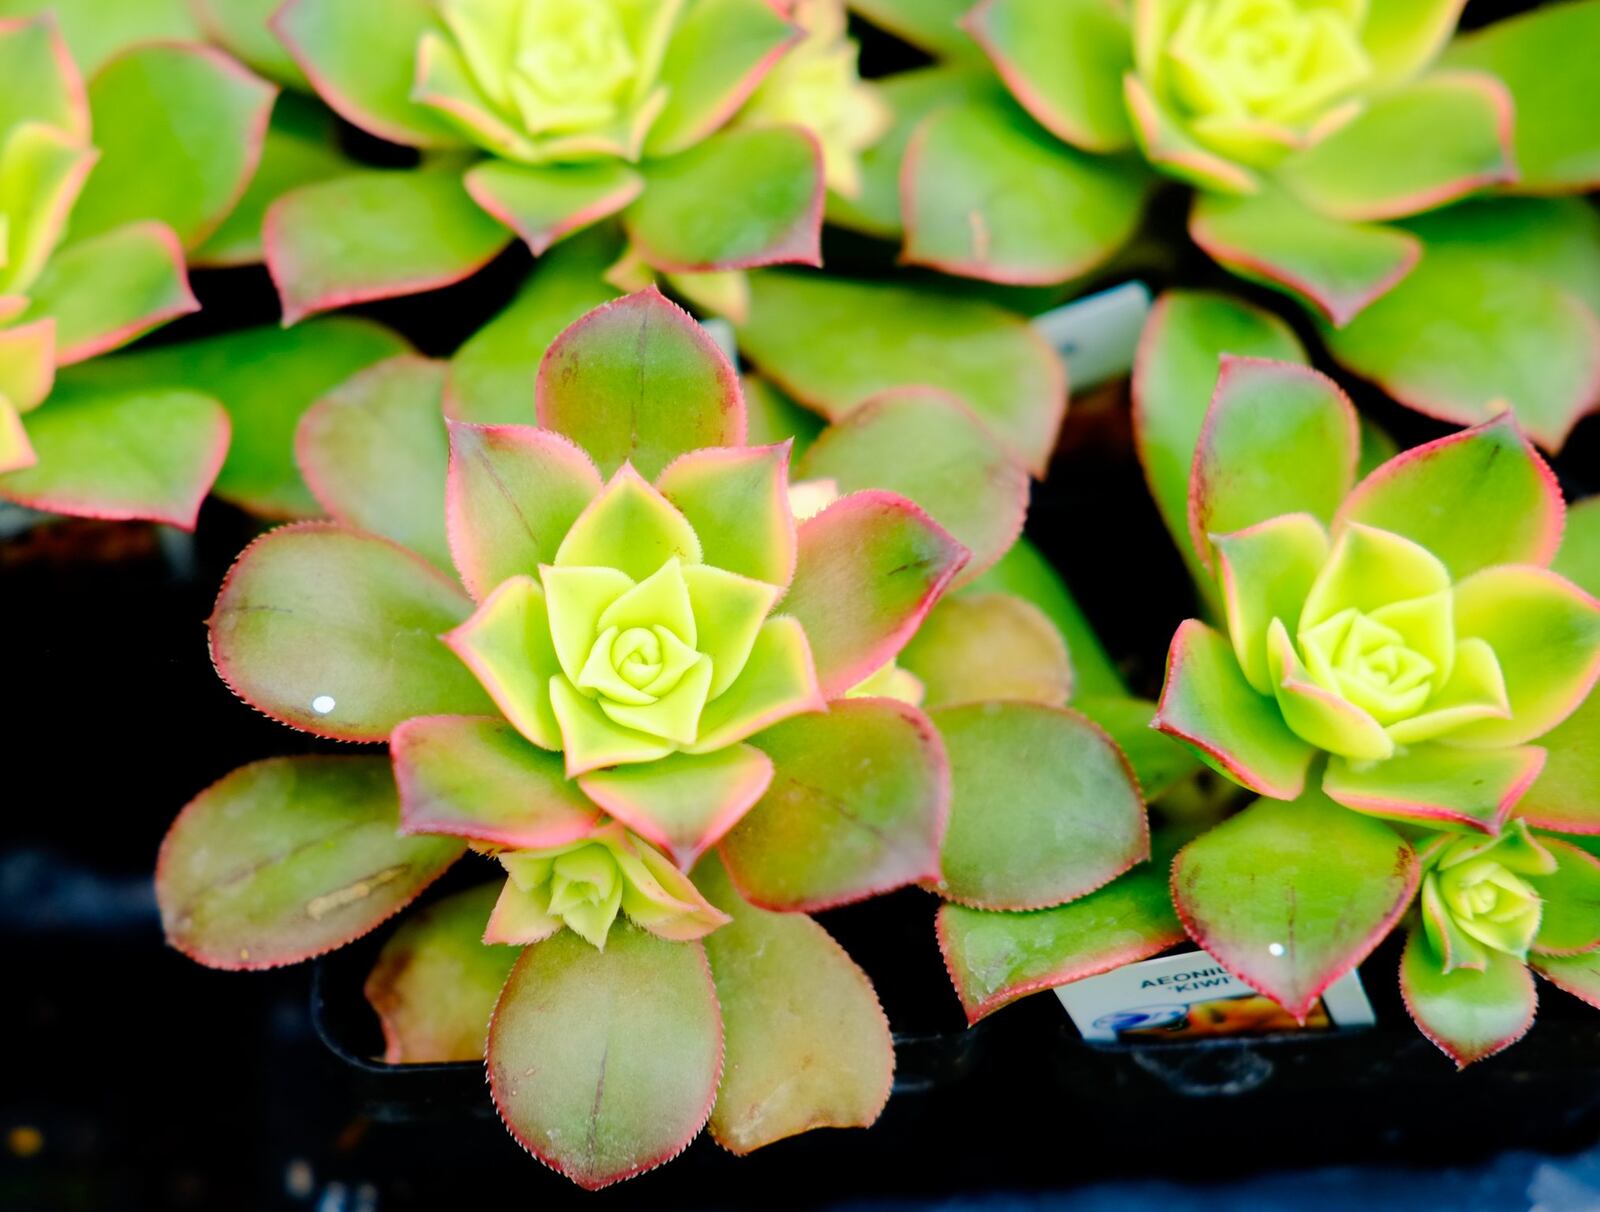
pixel 1191 996
pixel 1097 335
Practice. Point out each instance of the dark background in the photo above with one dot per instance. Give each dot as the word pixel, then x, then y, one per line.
pixel 132 1078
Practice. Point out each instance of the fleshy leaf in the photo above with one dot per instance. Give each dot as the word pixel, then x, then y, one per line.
pixel 1468 1014
pixel 1170 148
pixel 1208 703
pixel 807 1043
pixel 686 802
pixel 1044 808
pixel 435 983
pixel 16 452
pixel 858 805
pixel 737 500
pixel 631 527
pixel 1318 715
pixel 1278 438
pixel 1569 921
pixel 306 362
pixel 1437 785
pixel 779 680
pixel 1545 632
pixel 833 343
pixel 542 203
pixel 1578 558
pixel 870 567
pixel 42 81
pixel 1337 266
pixel 1291 896
pixel 507 645
pixel 720 50
pixel 122 454
pixel 930 25
pixel 241 28
pixel 1542 57
pixel 475 777
pixel 699 213
pixel 1064 60
pixel 375 234
pixel 1159 762
pixel 373 452
pixel 1266 571
pixel 995 958
pixel 104 292
pixel 927 446
pixel 987 194
pixel 1402 36
pixel 594 1080
pixel 288 858
pixel 988 647
pixel 180 131
pixel 337 633
pixel 1474 499
pixel 492 374
pixel 360 56
pixel 1566 796
pixel 513 493
pixel 639 381
pixel 1579 975
pixel 1174 375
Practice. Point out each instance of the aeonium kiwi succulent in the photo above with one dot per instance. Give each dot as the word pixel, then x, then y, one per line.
pixel 1396 658
pixel 603 653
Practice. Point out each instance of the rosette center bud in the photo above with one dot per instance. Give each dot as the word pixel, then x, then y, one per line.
pixel 1475 896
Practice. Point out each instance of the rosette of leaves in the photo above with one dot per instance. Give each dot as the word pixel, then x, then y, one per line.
pixel 1394 655
pixel 107 186
pixel 537 118
pixel 1322 141
pixel 598 648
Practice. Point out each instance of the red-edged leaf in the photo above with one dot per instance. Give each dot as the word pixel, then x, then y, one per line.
pixel 1291 896
pixel 639 381
pixel 858 805
pixel 1566 796
pixel 737 500
pixel 604 1064
pixel 1043 807
pixel 987 647
pixel 1468 1014
pixel 870 567
pixel 337 633
pixel 288 858
pixel 542 203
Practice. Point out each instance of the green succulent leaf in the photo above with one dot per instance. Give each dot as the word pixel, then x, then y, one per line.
pixel 988 194
pixel 513 493
pixel 491 375
pixel 42 170
pixel 475 777
pixel 737 500
pixel 507 643
pixel 105 291
pixel 1279 438
pixel 1336 266
pixel 1501 311
pixel 336 633
pixel 930 25
pixel 1438 785
pixel 180 131
pixel 242 28
pixel 1289 896
pixel 1402 36
pixel 306 361
pixel 1569 921
pixel 122 454
pixel 288 858
pixel 435 983
pixel 639 381
pixel 1566 795
pixel 1578 558
pixel 1476 498
pixel 988 647
pixel 1467 1013
pixel 1542 57
pixel 1208 703
pixel 373 452
pixel 858 804
pixel 1266 572
pixel 1044 808
pixel 833 344
pixel 543 203
pixel 996 958
pixel 1579 975
pixel 928 446
pixel 360 56
pixel 373 235
pixel 1159 762
pixel 739 199
pixel 1167 145
pixel 869 568
pixel 594 1080
pixel 95 32
pixel 807 1043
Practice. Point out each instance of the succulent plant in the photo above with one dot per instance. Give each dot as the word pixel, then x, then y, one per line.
pixel 1397 650
pixel 1326 143
pixel 107 185
pixel 543 117
pixel 620 674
